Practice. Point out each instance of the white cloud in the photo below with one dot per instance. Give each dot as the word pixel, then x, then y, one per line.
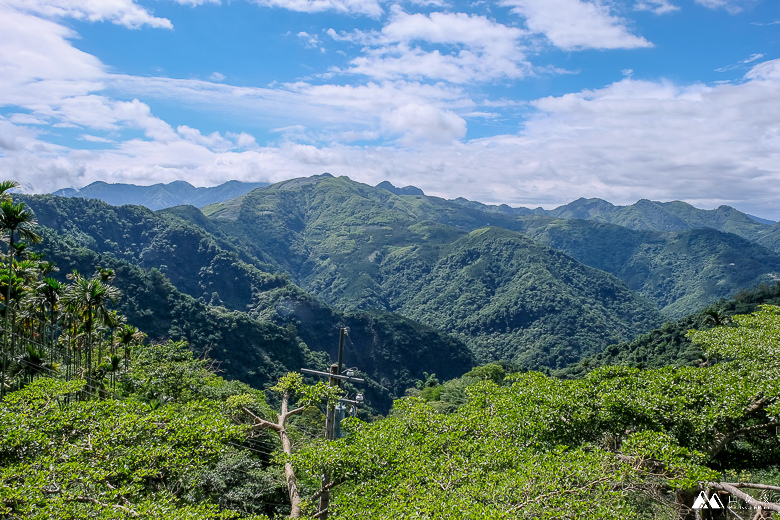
pixel 430 3
pixel 576 24
pixel 767 71
pixel 39 66
pixel 96 139
pixel 120 12
pixel 213 141
pixel 217 76
pixel 741 63
pixel 732 6
pixel 753 57
pixel 355 7
pixel 311 41
pixel 332 109
pixel 243 140
pixel 629 140
pixel 708 145
pixel 27 119
pixel 14 137
pixel 656 6
pixel 195 3
pixel 422 124
pixel 471 49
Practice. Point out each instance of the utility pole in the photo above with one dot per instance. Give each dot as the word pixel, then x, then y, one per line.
pixel 335 378
pixel 335 369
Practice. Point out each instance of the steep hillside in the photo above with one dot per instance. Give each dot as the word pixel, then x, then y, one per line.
pixel 360 247
pixel 677 271
pixel 256 352
pixel 669 344
pixel 189 286
pixel 513 299
pixel 770 238
pixel 331 234
pixel 461 268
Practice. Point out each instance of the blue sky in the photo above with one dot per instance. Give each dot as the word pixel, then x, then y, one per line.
pixel 524 102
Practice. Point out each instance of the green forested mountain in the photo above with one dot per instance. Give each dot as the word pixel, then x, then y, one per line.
pixel 679 271
pixel 159 196
pixel 669 345
pixel 183 285
pixel 662 216
pixel 337 224
pixel 647 215
pixel 770 238
pixel 486 275
pixel 359 247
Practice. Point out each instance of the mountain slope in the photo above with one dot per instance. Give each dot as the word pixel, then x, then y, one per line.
pixel 331 234
pixel 359 247
pixel 678 271
pixel 513 299
pixel 669 344
pixel 186 283
pixel 646 215
pixel 458 268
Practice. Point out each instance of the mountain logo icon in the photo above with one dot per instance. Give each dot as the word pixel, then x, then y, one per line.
pixel 703 503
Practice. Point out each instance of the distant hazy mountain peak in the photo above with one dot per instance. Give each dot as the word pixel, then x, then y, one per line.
pixel 760 220
pixel 160 196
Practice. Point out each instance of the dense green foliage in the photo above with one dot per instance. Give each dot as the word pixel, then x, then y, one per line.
pixel 646 215
pixel 619 443
pixel 515 300
pixel 98 424
pixel 669 344
pixel 677 271
pixel 168 444
pixel 95 424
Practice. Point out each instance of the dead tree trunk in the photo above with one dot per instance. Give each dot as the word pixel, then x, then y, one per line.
pixel 280 428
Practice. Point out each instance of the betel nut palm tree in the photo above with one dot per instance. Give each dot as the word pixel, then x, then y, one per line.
pixel 89 298
pixel 18 222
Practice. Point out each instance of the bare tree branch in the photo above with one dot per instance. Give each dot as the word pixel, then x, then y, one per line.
pixel 262 423
pixel 724 486
pixel 724 438
pixel 753 486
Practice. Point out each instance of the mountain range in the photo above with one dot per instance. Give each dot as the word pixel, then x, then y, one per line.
pixel 263 280
pixel 160 196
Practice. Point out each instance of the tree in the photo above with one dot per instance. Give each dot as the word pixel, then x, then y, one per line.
pixel 89 299
pixel 110 459
pixel 33 363
pixel 46 302
pixel 5 187
pixel 17 221
pixel 619 443
pixel 292 386
pixel 128 336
